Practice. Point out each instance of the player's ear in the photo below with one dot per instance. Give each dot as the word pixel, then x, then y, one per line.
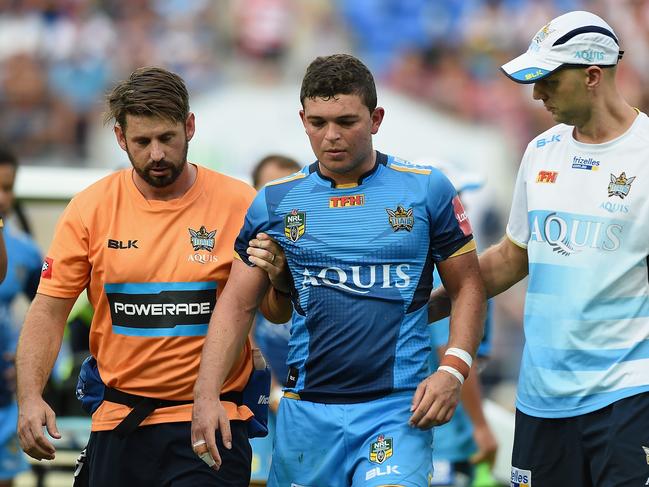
pixel 121 137
pixel 377 117
pixel 190 126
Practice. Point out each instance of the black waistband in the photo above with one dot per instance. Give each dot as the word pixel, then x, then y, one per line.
pixel 143 406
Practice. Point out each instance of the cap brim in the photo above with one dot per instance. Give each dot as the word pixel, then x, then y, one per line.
pixel 528 69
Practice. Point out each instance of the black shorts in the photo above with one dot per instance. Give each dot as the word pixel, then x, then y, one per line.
pixel 161 455
pixel 605 448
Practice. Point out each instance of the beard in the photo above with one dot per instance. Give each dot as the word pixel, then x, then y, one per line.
pixel 175 170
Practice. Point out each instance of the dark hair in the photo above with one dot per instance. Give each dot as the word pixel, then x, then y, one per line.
pixel 7 156
pixel 338 74
pixel 282 162
pixel 151 92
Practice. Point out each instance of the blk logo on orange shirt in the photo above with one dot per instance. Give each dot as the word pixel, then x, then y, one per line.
pixel 547 177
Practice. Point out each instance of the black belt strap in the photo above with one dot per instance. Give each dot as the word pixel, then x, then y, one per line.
pixel 143 406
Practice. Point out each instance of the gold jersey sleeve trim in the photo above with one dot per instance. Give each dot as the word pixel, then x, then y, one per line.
pixel 287 179
pixel 410 169
pixel 465 249
pixel 292 395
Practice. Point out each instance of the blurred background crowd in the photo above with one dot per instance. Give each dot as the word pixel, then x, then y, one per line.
pixel 57 57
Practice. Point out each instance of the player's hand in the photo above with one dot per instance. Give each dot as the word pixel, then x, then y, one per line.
pixel 486 443
pixel 33 414
pixel 266 254
pixel 208 416
pixel 435 400
pixel 9 373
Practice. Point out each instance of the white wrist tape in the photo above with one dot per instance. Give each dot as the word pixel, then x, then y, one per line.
pixel 461 354
pixel 454 372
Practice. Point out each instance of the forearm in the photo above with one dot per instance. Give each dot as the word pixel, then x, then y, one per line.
pixel 468 312
pixel 39 344
pixel 276 307
pixel 229 326
pixel 502 265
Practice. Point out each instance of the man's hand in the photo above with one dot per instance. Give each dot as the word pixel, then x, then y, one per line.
pixel 208 415
pixel 435 400
pixel 486 443
pixel 266 254
pixel 33 414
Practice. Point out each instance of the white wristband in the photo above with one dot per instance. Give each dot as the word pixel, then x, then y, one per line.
pixel 461 354
pixel 455 373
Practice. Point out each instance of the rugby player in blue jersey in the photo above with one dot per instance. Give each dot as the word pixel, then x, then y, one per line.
pixel 23 274
pixel 578 228
pixel 362 232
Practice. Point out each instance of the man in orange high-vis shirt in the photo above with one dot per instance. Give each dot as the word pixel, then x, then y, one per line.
pixel 153 245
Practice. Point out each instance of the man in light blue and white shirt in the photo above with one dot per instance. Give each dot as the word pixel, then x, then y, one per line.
pixel 579 226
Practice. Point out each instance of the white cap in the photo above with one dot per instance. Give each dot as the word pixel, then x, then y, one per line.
pixel 574 38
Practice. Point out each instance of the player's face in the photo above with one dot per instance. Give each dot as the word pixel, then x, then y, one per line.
pixel 7 179
pixel 156 147
pixel 340 130
pixel 563 95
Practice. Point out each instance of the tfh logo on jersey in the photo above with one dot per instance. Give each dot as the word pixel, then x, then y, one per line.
pixel 46 269
pixel 359 279
pixel 461 217
pixel 547 177
pixel 566 234
pixel 202 239
pixel 620 185
pixel 294 225
pixel 381 449
pixel 401 219
pixel 345 201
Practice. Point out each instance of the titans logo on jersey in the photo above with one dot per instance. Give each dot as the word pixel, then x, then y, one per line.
pixel 361 274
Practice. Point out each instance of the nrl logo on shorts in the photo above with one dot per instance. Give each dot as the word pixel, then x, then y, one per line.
pixel 294 225
pixel 381 449
pixel 620 185
pixel 202 239
pixel 400 219
pixel 646 452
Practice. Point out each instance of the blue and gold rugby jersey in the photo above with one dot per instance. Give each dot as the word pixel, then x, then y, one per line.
pixel 361 258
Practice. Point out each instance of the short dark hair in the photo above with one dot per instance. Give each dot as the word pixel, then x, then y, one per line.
pixel 151 92
pixel 338 74
pixel 283 162
pixel 7 156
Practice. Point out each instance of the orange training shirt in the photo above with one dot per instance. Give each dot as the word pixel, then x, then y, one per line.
pixel 153 270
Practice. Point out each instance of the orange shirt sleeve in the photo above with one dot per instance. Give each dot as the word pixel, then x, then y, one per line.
pixel 69 267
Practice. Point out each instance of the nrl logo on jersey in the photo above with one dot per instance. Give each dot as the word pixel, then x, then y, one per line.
pixel 294 225
pixel 401 219
pixel 202 239
pixel 620 185
pixel 381 449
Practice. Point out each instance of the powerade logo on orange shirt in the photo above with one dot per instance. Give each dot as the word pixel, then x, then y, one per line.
pixel 344 201
pixel 161 309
